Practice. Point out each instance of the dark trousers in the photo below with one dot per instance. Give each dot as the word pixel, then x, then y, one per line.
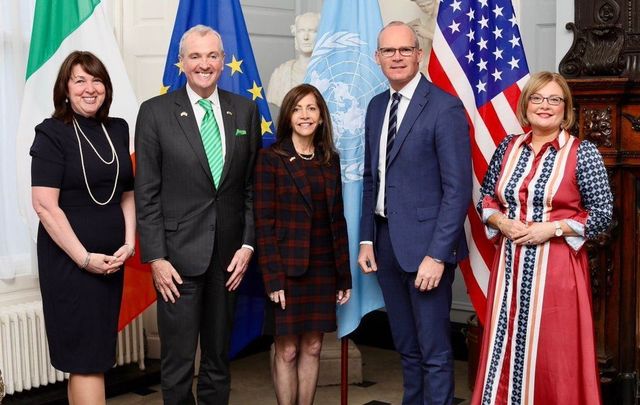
pixel 419 324
pixel 204 309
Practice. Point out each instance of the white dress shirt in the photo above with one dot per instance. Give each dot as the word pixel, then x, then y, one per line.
pixel 406 94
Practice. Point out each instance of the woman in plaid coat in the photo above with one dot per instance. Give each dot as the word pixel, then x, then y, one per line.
pixel 302 240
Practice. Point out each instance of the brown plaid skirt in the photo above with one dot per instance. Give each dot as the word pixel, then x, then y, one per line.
pixel 311 303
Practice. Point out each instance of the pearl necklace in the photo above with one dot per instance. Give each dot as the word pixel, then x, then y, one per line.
pixel 114 157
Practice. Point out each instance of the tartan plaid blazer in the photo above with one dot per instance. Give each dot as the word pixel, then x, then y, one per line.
pixel 283 210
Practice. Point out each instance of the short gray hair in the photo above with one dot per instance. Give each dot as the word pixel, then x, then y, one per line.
pixel 202 30
pixel 416 43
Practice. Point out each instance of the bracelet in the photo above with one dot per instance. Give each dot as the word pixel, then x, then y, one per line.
pixel 86 261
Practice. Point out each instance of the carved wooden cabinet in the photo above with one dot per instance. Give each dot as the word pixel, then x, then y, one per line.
pixel 609 115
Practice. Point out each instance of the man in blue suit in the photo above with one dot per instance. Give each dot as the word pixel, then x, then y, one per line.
pixel 417 188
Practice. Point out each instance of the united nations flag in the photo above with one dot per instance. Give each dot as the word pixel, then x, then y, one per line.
pixel 343 69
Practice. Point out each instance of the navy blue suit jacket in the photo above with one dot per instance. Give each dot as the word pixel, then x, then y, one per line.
pixel 428 177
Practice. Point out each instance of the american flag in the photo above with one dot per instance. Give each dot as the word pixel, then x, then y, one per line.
pixel 477 55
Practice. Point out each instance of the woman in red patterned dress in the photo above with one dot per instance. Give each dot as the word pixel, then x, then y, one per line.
pixel 302 240
pixel 544 194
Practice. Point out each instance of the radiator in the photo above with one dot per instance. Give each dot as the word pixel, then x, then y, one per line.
pixel 24 353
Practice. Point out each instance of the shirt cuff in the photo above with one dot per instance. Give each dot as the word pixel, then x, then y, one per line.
pixel 366 242
pixel 575 242
pixel 489 231
pixel 249 247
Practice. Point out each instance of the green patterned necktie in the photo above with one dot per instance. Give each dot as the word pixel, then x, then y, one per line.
pixel 210 133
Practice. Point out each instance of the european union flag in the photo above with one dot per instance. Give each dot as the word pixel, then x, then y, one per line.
pixel 343 69
pixel 239 76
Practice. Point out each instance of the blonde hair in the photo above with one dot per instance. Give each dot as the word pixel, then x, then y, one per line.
pixel 536 82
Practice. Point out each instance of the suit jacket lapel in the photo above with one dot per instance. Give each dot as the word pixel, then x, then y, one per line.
pixel 229 122
pixel 377 126
pixel 186 119
pixel 295 169
pixel 330 180
pixel 418 102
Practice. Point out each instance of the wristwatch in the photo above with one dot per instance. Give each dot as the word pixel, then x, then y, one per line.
pixel 559 232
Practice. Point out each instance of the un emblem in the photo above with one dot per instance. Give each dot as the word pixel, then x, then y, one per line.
pixel 343 69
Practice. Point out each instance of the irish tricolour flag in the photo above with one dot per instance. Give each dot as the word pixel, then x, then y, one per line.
pixel 59 28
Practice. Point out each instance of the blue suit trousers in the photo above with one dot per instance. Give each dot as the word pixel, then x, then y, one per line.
pixel 420 326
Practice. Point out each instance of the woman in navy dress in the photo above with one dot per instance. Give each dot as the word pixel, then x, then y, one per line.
pixel 82 182
pixel 302 240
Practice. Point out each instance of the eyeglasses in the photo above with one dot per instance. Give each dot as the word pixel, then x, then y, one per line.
pixel 552 100
pixel 404 51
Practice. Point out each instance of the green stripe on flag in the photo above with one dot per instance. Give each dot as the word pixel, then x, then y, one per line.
pixel 53 21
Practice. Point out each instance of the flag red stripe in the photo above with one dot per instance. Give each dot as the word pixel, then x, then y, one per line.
pixel 512 93
pixel 492 122
pixel 438 75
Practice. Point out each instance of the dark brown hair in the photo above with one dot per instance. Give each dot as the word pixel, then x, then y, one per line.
pixel 93 66
pixel 322 138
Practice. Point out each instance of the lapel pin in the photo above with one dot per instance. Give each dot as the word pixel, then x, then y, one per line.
pixel 292 158
pixel 229 113
pixel 183 114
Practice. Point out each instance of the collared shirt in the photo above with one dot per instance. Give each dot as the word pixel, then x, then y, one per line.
pixel 199 112
pixel 406 94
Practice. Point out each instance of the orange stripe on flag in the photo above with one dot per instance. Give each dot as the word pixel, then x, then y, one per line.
pixel 138 292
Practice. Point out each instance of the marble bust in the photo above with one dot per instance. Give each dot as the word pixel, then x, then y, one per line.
pixel 291 73
pixel 425 26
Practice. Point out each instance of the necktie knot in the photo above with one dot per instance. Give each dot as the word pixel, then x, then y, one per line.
pixel 206 104
pixel 396 96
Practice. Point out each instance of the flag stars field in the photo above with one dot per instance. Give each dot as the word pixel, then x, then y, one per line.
pixel 492 41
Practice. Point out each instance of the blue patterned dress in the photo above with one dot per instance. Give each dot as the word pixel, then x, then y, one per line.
pixel 538 345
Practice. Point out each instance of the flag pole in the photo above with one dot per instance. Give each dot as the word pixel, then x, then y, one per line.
pixel 344 371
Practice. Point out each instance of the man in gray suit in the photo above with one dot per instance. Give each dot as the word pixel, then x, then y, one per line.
pixel 195 153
